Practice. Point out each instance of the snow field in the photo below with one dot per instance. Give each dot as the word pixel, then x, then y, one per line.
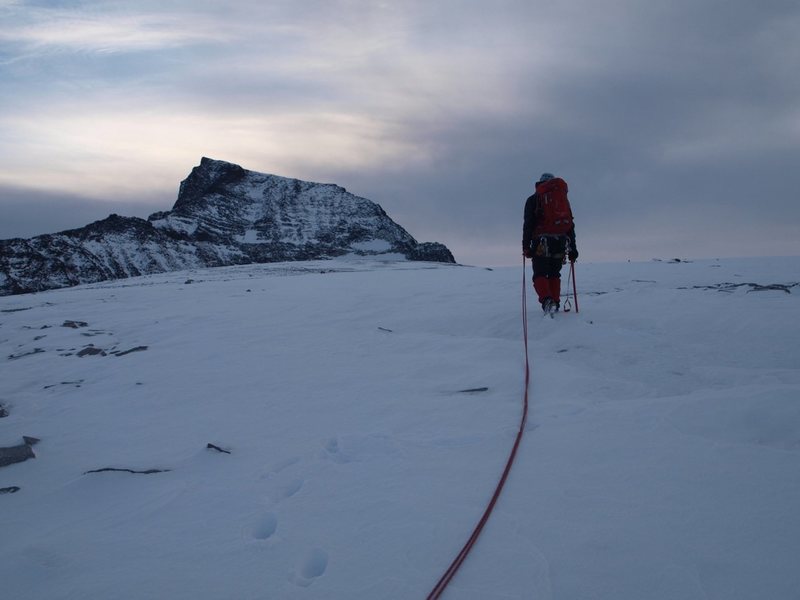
pixel 660 458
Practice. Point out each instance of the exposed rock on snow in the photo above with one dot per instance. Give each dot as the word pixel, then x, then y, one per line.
pixel 74 324
pixel 211 446
pixel 754 287
pixel 134 471
pixel 124 352
pixel 77 384
pixel 91 351
pixel 15 454
pixel 224 215
pixel 23 354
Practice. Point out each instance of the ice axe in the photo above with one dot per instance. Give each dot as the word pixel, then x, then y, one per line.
pixel 568 303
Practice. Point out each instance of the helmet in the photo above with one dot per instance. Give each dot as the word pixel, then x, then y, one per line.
pixel 546 177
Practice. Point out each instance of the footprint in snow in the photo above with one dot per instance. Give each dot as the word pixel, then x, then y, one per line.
pixel 331 450
pixel 280 466
pixel 282 492
pixel 292 488
pixel 283 464
pixel 312 566
pixel 265 527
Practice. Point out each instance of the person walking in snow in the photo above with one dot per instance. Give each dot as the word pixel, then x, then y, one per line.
pixel 548 238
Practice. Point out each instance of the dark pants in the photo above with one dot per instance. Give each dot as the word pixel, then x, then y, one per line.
pixel 548 256
pixel 547 278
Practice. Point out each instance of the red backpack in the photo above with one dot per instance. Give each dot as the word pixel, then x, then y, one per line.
pixel 553 212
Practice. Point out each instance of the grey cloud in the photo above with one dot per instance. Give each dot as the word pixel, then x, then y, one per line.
pixel 28 212
pixel 677 120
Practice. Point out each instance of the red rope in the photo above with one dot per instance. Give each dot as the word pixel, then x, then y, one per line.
pixel 439 588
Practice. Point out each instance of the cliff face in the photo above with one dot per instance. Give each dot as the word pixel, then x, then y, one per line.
pixel 224 215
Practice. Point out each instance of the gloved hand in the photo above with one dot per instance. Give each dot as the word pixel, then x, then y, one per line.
pixel 573 255
pixel 526 252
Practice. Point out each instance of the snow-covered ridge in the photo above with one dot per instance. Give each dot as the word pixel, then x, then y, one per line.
pixel 224 215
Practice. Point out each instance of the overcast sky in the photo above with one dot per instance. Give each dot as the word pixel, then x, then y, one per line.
pixel 676 124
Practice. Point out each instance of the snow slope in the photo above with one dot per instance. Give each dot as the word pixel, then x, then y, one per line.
pixel 660 460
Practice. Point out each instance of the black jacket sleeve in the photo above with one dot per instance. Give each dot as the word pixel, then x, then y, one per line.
pixel 571 237
pixel 529 222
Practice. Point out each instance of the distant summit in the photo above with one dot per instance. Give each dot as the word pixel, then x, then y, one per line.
pixel 224 215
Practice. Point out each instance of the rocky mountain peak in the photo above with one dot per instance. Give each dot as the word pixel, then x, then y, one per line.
pixel 205 178
pixel 224 215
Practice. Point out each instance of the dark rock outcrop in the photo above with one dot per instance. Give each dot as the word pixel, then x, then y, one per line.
pixel 133 471
pixel 224 215
pixel 15 454
pixel 211 446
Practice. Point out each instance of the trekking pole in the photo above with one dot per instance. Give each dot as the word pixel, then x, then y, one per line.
pixel 574 287
pixel 568 302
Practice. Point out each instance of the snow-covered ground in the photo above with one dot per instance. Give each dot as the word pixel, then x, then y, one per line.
pixel 661 458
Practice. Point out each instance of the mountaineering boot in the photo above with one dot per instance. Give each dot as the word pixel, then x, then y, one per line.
pixel 549 307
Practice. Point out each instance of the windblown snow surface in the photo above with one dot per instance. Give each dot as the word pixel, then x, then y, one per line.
pixel 661 458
